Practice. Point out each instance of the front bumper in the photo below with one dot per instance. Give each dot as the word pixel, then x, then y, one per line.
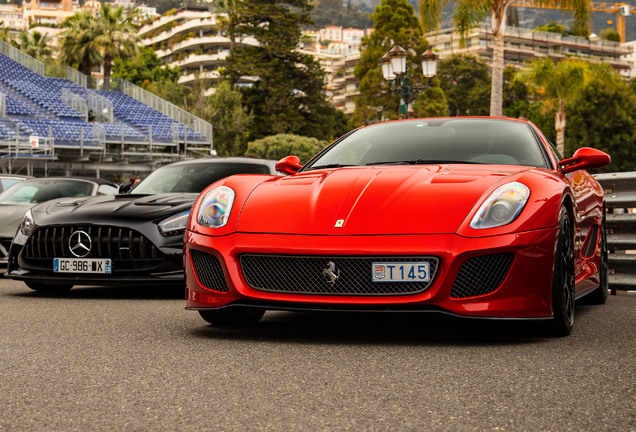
pixel 168 273
pixel 525 292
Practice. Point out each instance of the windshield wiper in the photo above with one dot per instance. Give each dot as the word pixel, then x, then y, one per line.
pixel 423 162
pixel 328 166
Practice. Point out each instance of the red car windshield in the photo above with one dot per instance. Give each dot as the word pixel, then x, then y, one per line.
pixel 425 141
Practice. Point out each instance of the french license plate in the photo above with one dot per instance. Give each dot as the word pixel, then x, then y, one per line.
pixel 81 265
pixel 401 272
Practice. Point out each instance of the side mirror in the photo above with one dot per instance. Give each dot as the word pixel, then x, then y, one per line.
pixel 585 158
pixel 288 165
pixel 124 187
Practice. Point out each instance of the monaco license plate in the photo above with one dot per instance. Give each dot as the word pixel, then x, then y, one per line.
pixel 81 265
pixel 401 272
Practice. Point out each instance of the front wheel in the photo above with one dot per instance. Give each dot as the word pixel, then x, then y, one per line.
pixel 563 280
pixel 51 289
pixel 233 316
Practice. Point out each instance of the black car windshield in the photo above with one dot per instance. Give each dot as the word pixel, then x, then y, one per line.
pixel 424 141
pixel 193 178
pixel 37 191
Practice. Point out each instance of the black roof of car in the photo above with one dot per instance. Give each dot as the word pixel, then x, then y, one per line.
pixel 99 181
pixel 237 159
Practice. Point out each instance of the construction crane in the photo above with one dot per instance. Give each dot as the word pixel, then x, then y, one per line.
pixel 621 10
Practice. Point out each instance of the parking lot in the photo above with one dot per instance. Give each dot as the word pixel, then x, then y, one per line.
pixel 134 359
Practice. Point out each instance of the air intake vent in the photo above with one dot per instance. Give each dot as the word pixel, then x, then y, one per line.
pixel 306 275
pixel 481 275
pixel 208 270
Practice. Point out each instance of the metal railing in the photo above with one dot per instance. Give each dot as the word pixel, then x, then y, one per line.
pixel 179 114
pixel 75 102
pixel 100 107
pixel 620 228
pixel 76 76
pixel 99 134
pixel 24 59
pixel 3 105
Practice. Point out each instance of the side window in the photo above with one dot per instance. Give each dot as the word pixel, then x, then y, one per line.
pixel 106 190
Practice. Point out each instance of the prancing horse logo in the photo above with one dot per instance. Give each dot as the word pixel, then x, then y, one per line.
pixel 330 273
pixel 80 244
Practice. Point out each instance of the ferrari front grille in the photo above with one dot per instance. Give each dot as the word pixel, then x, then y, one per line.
pixel 310 275
pixel 128 248
pixel 482 275
pixel 207 268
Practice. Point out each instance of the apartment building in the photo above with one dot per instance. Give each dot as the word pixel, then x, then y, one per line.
pixel 11 15
pixel 49 11
pixel 521 45
pixel 341 85
pixel 190 38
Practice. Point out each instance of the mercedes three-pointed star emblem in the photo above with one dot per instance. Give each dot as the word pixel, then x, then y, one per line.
pixel 80 244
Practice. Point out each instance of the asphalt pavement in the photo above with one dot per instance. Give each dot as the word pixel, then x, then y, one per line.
pixel 134 360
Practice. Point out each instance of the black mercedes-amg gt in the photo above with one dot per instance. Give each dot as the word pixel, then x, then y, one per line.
pixel 125 239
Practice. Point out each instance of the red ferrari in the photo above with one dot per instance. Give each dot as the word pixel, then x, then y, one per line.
pixel 476 217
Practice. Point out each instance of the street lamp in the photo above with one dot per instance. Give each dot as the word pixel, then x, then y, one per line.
pixel 395 70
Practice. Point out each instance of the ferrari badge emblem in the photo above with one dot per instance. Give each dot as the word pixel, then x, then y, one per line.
pixel 330 272
pixel 339 223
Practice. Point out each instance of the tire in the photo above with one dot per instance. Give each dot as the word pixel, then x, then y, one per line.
pixel 233 316
pixel 51 289
pixel 599 295
pixel 563 295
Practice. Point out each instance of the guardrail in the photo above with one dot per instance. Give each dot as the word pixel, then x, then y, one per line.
pixel 620 228
pixel 22 58
pixel 76 76
pixel 179 114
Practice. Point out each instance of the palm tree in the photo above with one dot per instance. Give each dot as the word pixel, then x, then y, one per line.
pixel 34 44
pixel 468 14
pixel 77 43
pixel 4 33
pixel 560 84
pixel 117 37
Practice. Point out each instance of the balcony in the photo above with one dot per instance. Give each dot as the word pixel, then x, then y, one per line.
pixel 196 42
pixel 195 24
pixel 195 60
pixel 188 15
pixel 189 79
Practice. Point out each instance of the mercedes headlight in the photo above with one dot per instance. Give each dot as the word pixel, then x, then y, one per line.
pixel 215 207
pixel 502 206
pixel 27 226
pixel 174 225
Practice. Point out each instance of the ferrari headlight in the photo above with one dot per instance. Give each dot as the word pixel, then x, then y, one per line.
pixel 502 206
pixel 215 207
pixel 27 226
pixel 174 225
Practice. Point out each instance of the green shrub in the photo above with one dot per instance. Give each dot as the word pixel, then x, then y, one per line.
pixel 278 146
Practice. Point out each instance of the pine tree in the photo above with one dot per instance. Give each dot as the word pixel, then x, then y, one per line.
pixel 466 84
pixel 394 23
pixel 287 96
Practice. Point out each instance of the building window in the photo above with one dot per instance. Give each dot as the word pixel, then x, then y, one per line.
pixel 483 42
pixel 447 45
pixel 469 43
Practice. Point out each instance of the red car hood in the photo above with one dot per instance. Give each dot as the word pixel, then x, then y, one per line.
pixel 434 199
